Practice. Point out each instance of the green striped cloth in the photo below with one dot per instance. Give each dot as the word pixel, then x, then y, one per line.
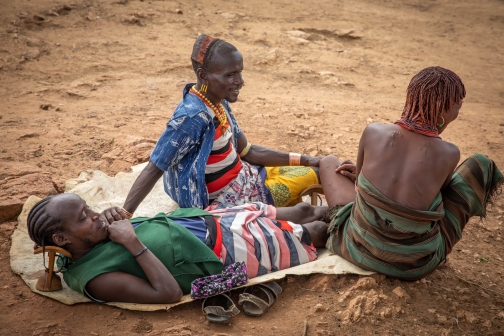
pixel 378 234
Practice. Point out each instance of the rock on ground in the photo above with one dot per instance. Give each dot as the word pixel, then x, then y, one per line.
pixel 19 181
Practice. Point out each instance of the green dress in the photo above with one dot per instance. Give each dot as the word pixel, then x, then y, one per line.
pixel 183 254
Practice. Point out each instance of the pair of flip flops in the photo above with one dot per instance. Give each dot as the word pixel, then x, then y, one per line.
pixel 256 301
pixel 219 308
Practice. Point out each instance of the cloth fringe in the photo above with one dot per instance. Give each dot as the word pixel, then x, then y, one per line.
pixel 493 194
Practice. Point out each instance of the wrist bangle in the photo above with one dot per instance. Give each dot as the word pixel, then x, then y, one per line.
pixel 245 150
pixel 141 252
pixel 127 213
pixel 294 159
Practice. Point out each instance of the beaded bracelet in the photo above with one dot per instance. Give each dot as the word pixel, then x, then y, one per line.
pixel 294 159
pixel 127 213
pixel 141 252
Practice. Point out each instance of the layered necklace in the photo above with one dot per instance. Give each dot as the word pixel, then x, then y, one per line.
pixel 219 110
pixel 418 127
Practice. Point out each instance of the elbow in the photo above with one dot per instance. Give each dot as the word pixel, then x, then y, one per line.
pixel 178 295
pixel 174 295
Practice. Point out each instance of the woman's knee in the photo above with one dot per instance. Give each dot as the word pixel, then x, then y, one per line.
pixel 305 213
pixel 305 208
pixel 300 213
pixel 329 161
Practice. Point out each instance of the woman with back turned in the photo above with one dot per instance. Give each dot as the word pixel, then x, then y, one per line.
pixel 401 209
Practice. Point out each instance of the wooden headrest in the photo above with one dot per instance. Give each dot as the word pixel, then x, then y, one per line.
pixel 53 249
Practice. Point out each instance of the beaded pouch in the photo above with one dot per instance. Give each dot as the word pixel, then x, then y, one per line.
pixel 233 275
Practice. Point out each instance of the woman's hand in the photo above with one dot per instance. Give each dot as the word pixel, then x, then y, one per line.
pixel 347 168
pixel 121 232
pixel 113 214
pixel 159 287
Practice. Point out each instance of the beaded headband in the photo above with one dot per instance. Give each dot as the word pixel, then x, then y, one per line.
pixel 200 56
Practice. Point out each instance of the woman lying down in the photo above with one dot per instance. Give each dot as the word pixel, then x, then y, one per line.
pixel 156 259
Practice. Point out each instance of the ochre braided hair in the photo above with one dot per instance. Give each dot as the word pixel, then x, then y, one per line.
pixel 430 92
pixel 42 225
pixel 205 49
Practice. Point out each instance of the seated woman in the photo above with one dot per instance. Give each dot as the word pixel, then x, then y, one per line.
pixel 410 205
pixel 204 156
pixel 156 261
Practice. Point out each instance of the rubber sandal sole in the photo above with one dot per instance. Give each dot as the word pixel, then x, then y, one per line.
pixel 219 308
pixel 257 300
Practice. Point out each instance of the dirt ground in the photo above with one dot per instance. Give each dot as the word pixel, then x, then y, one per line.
pixel 78 77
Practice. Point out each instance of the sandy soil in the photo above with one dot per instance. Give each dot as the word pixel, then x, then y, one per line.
pixel 112 69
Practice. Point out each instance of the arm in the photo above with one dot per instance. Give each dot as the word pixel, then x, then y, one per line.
pixel 454 160
pixel 181 135
pixel 142 186
pixel 161 286
pixel 140 189
pixel 360 153
pixel 263 156
pixel 348 169
pixel 351 170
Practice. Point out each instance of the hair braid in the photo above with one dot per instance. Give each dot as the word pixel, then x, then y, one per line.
pixel 209 50
pixel 41 225
pixel 430 92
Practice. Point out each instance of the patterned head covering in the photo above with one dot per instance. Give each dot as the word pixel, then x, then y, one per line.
pixel 201 47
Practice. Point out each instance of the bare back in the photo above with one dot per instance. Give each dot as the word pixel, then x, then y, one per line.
pixel 408 168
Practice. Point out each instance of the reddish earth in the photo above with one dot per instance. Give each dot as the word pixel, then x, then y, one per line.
pixel 78 77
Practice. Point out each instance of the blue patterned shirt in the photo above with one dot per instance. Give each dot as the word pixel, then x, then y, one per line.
pixel 183 149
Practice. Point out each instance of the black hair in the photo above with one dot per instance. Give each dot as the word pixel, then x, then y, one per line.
pixel 42 225
pixel 215 47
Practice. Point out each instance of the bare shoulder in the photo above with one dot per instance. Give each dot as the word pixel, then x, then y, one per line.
pixel 450 148
pixel 376 129
pixel 450 152
pixel 377 132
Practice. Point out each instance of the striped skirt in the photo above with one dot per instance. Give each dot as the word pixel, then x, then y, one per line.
pixel 251 233
pixel 379 235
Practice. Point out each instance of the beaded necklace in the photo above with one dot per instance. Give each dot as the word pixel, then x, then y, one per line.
pixel 219 110
pixel 418 127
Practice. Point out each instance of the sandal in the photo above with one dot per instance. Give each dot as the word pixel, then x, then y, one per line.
pixel 219 308
pixel 258 299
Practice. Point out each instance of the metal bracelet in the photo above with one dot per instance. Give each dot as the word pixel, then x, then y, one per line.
pixel 141 252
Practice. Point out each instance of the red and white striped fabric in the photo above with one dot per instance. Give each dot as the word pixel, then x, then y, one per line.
pixel 251 233
pixel 224 163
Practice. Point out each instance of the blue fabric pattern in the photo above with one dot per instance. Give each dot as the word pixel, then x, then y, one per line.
pixel 196 225
pixel 183 149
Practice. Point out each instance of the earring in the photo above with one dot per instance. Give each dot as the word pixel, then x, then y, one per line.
pixel 203 88
pixel 441 124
